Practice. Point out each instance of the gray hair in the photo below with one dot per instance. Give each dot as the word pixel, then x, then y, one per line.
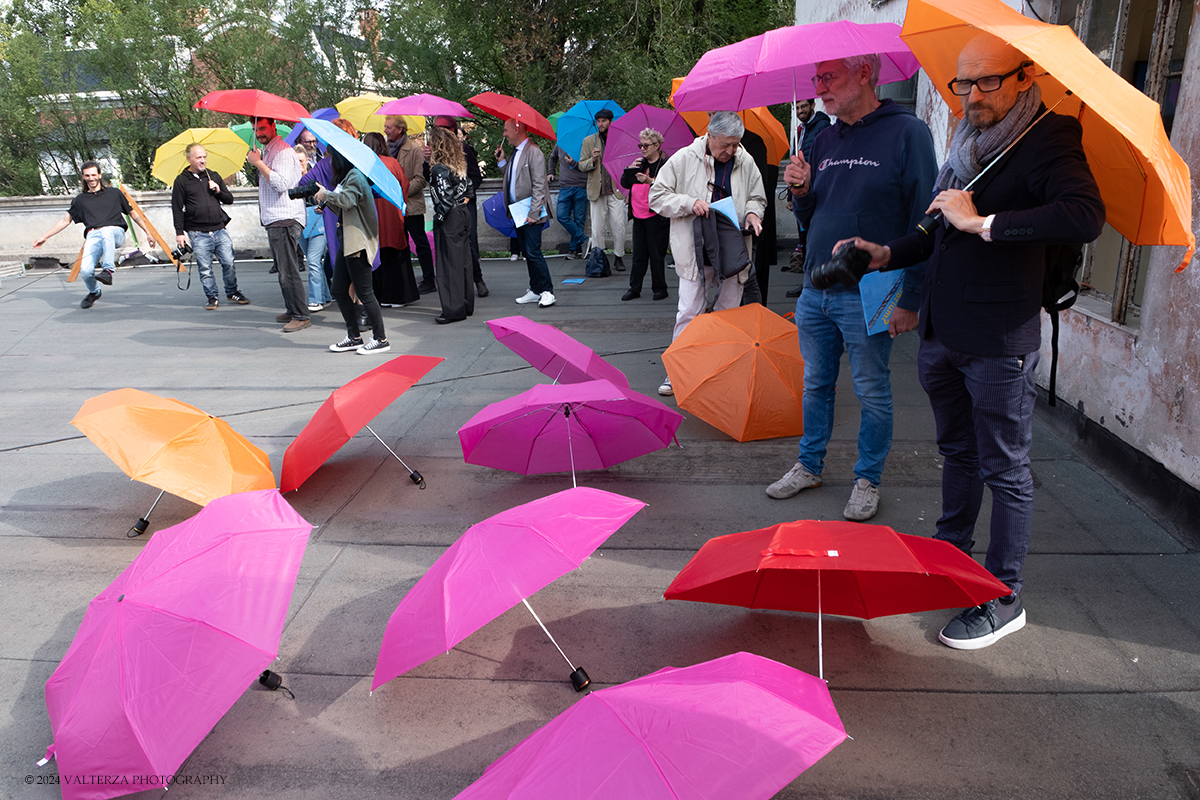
pixel 726 123
pixel 652 135
pixel 870 59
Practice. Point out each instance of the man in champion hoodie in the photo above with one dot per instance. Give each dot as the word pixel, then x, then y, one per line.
pixel 872 170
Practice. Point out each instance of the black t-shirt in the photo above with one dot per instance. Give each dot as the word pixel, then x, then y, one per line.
pixel 100 209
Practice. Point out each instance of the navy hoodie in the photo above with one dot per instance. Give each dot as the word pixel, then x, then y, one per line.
pixel 872 179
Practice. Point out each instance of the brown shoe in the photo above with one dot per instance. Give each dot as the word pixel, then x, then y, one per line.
pixel 285 317
pixel 297 325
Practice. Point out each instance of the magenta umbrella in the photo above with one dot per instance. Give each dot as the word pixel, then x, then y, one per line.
pixel 552 352
pixel 173 642
pixel 740 726
pixel 425 105
pixel 623 136
pixel 577 426
pixel 496 564
pixel 778 66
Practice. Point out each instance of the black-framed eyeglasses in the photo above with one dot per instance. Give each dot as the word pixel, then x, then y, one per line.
pixel 824 79
pixel 988 83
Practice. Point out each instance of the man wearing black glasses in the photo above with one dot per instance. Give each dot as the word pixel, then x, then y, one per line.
pixel 980 323
pixel 873 170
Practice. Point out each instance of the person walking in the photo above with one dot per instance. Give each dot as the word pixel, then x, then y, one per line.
pixel 651 232
pixel 449 189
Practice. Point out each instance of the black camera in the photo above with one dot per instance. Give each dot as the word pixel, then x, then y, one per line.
pixel 303 192
pixel 182 252
pixel 846 267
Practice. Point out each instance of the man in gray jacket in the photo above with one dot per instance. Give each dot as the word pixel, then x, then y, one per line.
pixel 525 177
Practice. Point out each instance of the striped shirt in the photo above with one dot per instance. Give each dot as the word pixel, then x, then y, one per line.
pixel 274 206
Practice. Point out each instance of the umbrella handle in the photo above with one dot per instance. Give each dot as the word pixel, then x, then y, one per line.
pixel 413 475
pixel 143 524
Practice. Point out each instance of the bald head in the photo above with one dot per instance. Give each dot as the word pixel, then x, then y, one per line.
pixel 987 56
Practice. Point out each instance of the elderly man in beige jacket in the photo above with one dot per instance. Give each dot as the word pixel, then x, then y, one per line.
pixel 711 168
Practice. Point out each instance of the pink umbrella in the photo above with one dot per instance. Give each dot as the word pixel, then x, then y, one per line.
pixel 496 564
pixel 173 642
pixel 623 136
pixel 779 65
pixel 578 426
pixel 425 105
pixel 740 726
pixel 552 352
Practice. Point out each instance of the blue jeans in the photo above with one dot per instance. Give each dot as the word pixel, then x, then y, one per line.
pixel 983 406
pixel 572 213
pixel 100 250
pixel 829 322
pixel 530 237
pixel 314 251
pixel 204 244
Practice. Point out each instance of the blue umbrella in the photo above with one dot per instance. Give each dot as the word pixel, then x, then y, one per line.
pixel 321 113
pixel 495 213
pixel 579 122
pixel 360 156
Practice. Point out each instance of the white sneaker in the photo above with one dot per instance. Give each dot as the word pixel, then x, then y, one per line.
pixel 665 389
pixel 546 300
pixel 316 306
pixel 514 257
pixel 864 501
pixel 529 297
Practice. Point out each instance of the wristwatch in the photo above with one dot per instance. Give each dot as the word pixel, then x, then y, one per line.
pixel 986 233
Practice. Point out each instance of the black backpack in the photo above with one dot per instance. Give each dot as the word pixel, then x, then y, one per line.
pixel 597 264
pixel 1060 289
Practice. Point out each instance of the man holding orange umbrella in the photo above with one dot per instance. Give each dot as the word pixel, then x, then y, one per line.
pixel 980 322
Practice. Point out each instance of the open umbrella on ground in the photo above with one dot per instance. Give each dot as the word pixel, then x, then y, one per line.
pixel 623 136
pixel 758 120
pixel 226 153
pixel 348 410
pixel 245 132
pixel 1145 184
pixel 740 726
pixel 579 122
pixel 425 105
pixel 172 643
pixel 172 446
pixel 502 106
pixel 740 370
pixel 567 427
pixel 360 156
pixel 252 103
pixel 843 568
pixel 778 66
pixel 495 213
pixel 496 564
pixel 327 114
pixel 553 353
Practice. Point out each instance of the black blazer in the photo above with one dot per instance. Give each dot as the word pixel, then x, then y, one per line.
pixel 985 298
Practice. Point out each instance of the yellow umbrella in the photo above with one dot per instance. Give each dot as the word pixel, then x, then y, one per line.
pixel 757 120
pixel 1145 184
pixel 226 153
pixel 360 110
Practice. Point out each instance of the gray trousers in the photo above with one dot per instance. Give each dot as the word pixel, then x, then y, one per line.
pixel 285 252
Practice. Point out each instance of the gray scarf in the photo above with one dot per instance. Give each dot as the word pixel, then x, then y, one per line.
pixel 972 149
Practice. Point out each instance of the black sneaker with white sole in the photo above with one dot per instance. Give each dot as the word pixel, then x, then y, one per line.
pixel 982 626
pixel 90 300
pixel 374 346
pixel 238 297
pixel 349 343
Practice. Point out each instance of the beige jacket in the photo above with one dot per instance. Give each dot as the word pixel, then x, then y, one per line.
pixel 686 178
pixel 595 169
pixel 412 161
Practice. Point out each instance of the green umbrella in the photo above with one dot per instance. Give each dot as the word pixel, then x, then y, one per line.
pixel 245 132
pixel 554 118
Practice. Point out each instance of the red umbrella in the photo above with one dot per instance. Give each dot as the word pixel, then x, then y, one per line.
pixel 346 412
pixel 253 103
pixel 502 106
pixel 844 568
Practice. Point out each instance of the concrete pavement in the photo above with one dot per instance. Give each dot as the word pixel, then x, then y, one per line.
pixel 1098 697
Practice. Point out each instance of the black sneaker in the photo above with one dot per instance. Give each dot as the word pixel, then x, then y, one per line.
pixel 981 626
pixel 90 300
pixel 425 287
pixel 346 344
pixel 211 305
pixel 374 346
pixel 238 297
pixel 104 276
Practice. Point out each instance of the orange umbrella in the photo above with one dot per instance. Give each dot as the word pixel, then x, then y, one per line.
pixel 173 446
pixel 757 120
pixel 740 370
pixel 1145 184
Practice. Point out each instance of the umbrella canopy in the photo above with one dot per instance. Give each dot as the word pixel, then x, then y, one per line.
pixel 579 122
pixel 757 120
pixel 173 446
pixel 328 114
pixel 553 353
pixel 561 428
pixel 361 111
pixel 360 156
pixel 779 65
pixel 623 136
pixel 245 132
pixel 173 642
pixel 740 726
pixel 554 118
pixel 502 106
pixel 252 103
pixel 425 105
pixel 346 411
pixel 496 564
pixel 1145 184
pixel 495 213
pixel 740 370
pixel 226 153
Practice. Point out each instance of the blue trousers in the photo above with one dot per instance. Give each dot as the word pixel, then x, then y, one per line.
pixel 205 244
pixel 100 250
pixel 572 213
pixel 530 237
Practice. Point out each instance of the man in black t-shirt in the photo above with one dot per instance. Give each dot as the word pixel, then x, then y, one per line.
pixel 101 210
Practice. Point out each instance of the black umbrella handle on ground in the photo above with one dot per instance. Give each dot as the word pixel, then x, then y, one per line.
pixel 579 678
pixel 570 447
pixel 143 524
pixel 413 475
